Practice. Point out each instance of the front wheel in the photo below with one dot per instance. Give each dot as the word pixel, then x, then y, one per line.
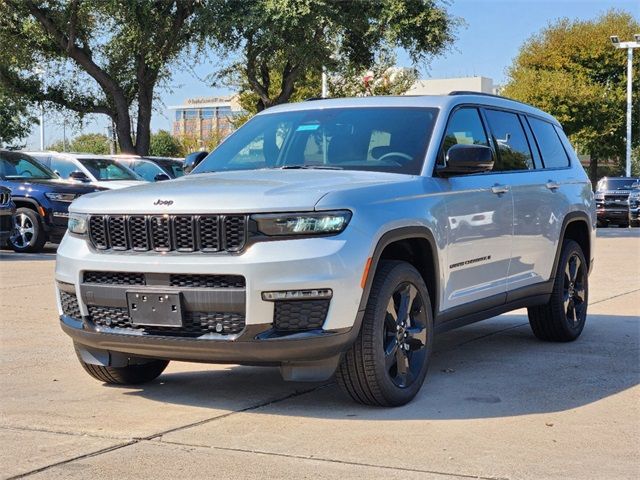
pixel 563 318
pixel 28 235
pixel 388 362
pixel 129 375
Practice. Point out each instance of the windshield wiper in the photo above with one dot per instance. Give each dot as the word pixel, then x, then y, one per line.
pixel 310 167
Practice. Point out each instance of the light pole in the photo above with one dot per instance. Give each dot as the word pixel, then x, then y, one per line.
pixel 615 40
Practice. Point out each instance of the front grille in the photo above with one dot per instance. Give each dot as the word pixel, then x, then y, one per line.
pixel 206 281
pixel 299 315
pixel 5 198
pixel 114 278
pixel 195 324
pixel 69 303
pixel 166 233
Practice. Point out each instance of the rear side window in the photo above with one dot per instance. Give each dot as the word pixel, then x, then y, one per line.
pixel 464 127
pixel 551 149
pixel 509 137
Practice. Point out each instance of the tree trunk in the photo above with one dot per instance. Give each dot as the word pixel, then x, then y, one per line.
pixel 593 170
pixel 123 131
pixel 143 127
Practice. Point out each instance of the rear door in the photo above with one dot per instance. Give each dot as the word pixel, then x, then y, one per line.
pixel 480 222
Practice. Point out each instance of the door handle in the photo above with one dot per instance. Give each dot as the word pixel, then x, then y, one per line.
pixel 551 185
pixel 500 189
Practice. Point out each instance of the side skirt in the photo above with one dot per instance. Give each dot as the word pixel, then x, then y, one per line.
pixel 479 310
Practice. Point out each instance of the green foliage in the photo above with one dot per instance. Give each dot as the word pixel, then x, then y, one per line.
pixel 164 145
pixel 95 143
pixel 285 43
pixel 15 119
pixel 96 56
pixel 571 70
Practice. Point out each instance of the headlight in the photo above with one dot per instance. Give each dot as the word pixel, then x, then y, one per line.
pixel 61 197
pixel 77 223
pixel 312 223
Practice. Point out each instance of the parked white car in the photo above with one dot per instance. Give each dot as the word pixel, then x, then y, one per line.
pixel 98 170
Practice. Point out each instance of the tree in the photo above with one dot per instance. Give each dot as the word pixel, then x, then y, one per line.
pixel 15 119
pixel 571 70
pixel 285 42
pixel 98 56
pixel 164 145
pixel 96 143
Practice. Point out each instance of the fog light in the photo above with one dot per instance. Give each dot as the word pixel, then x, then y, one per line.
pixel 297 294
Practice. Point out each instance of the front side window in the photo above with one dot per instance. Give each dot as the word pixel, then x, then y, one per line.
pixel 551 149
pixel 18 166
pixel 147 170
pixel 106 169
pixel 510 140
pixel 464 128
pixel 63 167
pixel 386 139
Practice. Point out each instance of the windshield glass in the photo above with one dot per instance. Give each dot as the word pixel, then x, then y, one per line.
pixel 15 165
pixel 106 169
pixel 384 139
pixel 172 167
pixel 616 183
pixel 146 169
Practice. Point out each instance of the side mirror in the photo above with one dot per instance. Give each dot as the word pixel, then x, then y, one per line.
pixel 192 160
pixel 466 159
pixel 78 175
pixel 161 177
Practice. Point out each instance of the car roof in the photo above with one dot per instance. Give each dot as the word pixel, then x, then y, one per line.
pixel 67 155
pixel 443 102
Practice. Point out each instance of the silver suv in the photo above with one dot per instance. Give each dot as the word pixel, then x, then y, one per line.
pixel 335 236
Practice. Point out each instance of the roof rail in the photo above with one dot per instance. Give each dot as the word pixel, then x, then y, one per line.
pixel 483 94
pixel 311 99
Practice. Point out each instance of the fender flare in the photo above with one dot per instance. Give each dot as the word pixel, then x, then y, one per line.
pixel 571 217
pixel 397 234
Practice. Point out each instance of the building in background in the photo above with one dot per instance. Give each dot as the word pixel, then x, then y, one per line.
pixel 205 119
pixel 443 86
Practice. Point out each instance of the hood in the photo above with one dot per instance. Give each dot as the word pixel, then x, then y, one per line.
pixel 247 191
pixel 116 184
pixel 25 187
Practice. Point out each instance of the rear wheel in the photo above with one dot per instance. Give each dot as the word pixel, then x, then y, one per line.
pixel 388 362
pixel 28 235
pixel 129 375
pixel 563 318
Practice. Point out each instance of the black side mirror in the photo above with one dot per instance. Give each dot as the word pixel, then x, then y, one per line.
pixel 464 159
pixel 78 175
pixel 192 160
pixel 160 177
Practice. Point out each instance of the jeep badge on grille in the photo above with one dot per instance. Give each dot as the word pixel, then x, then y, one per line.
pixel 163 202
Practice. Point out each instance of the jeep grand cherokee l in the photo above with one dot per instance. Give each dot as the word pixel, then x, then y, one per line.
pixel 335 236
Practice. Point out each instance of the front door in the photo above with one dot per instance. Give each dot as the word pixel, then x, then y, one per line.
pixel 480 223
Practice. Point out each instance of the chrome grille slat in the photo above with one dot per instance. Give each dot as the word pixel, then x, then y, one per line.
pixel 166 233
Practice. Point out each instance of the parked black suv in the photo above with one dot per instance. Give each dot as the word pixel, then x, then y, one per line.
pixel 41 199
pixel 612 194
pixel 7 210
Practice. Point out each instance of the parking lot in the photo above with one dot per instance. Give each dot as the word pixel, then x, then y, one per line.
pixel 497 403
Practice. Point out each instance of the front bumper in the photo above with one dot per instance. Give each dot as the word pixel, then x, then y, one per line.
pixel 334 263
pixel 6 223
pixel 612 215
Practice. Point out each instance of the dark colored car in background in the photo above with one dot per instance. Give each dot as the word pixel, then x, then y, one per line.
pixel 612 195
pixel 41 199
pixel 634 205
pixel 7 210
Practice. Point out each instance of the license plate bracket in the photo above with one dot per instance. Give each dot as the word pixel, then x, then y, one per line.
pixel 155 309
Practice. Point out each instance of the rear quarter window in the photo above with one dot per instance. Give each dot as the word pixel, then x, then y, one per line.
pixel 553 153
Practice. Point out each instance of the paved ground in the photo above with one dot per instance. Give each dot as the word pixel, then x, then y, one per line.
pixel 497 403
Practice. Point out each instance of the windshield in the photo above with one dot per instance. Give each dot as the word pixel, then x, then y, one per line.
pixel 172 167
pixel 18 166
pixel 146 169
pixel 106 169
pixel 617 183
pixel 384 139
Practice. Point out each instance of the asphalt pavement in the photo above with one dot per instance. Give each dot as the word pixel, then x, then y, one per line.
pixel 497 403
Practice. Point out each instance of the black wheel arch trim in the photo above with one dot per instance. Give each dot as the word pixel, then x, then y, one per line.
pixel 395 235
pixel 572 217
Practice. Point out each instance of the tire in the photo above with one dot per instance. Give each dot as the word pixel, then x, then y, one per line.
pixel 564 317
pixel 129 375
pixel 373 370
pixel 28 236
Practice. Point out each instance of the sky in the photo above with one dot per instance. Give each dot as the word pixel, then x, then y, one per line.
pixel 493 33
